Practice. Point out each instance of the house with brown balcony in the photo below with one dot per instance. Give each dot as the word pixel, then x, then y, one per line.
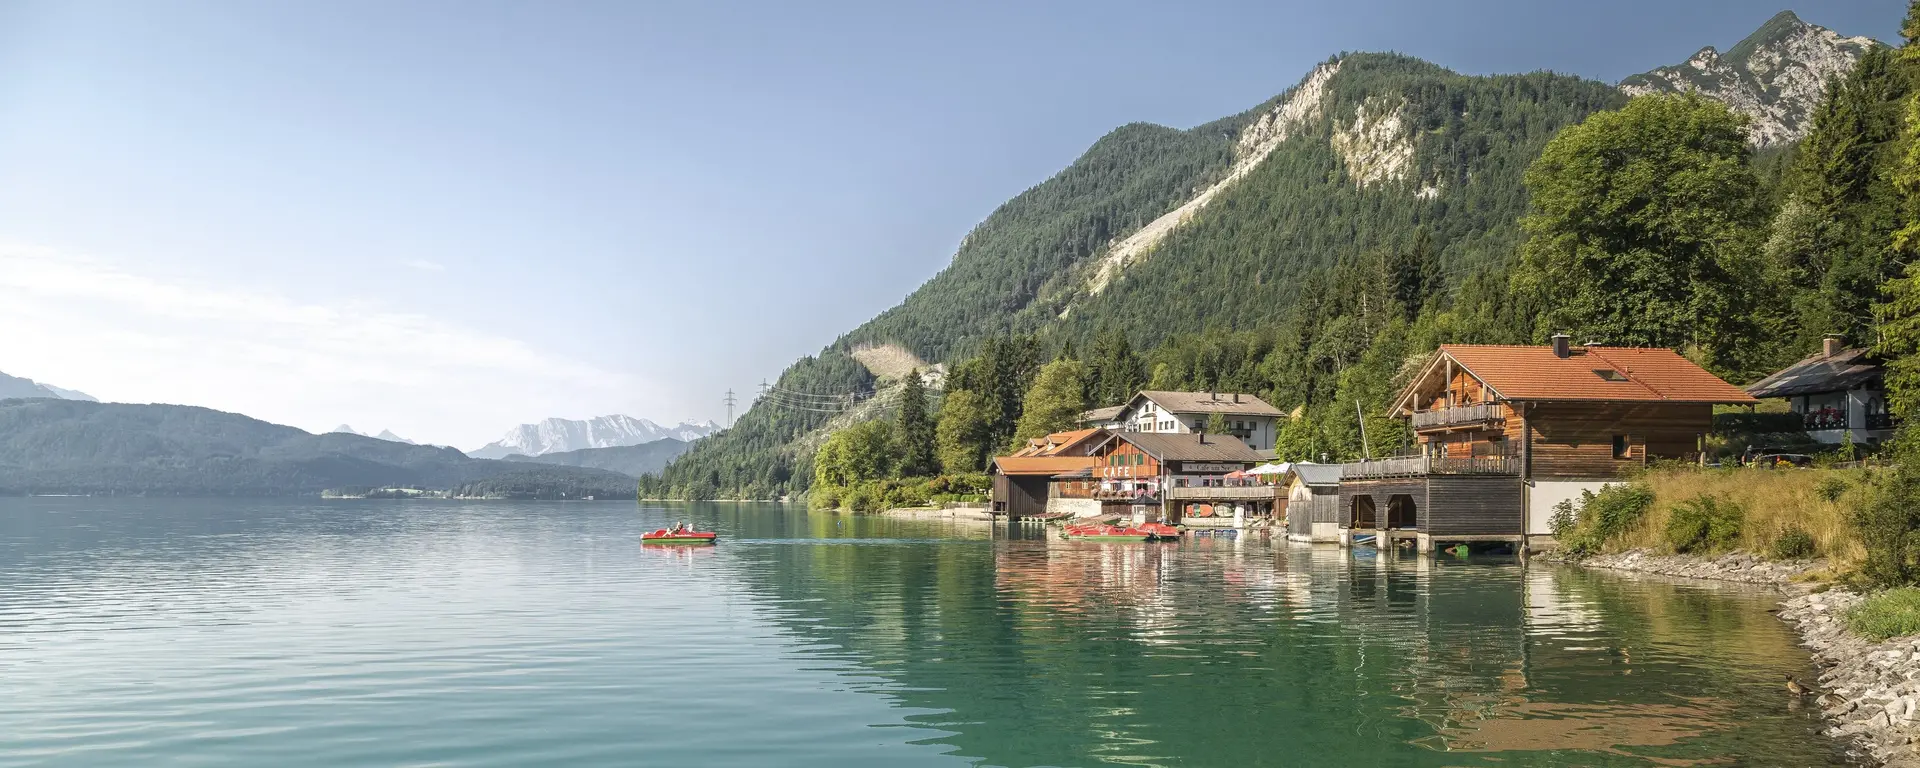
pixel 1179 477
pixel 1839 392
pixel 1245 417
pixel 1503 433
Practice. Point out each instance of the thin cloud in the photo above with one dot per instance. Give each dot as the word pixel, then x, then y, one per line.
pixel 86 324
pixel 424 265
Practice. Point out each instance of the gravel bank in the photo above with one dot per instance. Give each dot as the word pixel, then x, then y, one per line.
pixel 1870 691
pixel 1738 566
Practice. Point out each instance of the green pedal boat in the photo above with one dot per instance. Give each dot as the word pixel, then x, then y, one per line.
pixel 665 536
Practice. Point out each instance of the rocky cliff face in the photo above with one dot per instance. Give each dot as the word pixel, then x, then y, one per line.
pixel 1775 76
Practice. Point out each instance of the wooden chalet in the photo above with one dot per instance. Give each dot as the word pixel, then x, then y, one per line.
pixel 1171 476
pixel 1840 394
pixel 1505 432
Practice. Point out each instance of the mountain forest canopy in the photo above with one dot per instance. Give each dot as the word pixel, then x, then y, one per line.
pixel 1407 206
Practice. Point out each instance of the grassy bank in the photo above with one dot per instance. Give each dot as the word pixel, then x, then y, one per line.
pixel 1770 504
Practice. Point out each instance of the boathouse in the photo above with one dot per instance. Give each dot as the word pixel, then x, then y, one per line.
pixel 1839 392
pixel 1023 482
pixel 1313 502
pixel 1505 432
pixel 1180 477
pixel 1022 485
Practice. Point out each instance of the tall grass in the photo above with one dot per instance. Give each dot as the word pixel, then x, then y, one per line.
pixel 1816 501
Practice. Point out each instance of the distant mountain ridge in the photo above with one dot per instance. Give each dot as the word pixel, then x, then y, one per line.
pixel 15 386
pixel 1775 76
pixel 561 435
pixel 68 446
pixel 630 460
pixel 385 434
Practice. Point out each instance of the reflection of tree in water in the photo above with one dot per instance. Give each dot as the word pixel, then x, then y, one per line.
pixel 1048 652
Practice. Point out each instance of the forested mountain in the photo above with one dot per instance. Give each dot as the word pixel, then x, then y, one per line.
pixel 1312 248
pixel 65 446
pixel 631 460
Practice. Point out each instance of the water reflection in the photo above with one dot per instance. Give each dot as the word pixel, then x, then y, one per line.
pixel 1249 654
pixel 506 634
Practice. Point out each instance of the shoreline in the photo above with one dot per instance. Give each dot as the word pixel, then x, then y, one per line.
pixel 1869 693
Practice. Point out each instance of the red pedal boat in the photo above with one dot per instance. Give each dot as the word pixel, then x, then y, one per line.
pixel 1160 531
pixel 1107 533
pixel 670 536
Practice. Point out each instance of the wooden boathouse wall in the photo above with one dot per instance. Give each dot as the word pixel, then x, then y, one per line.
pixel 1020 495
pixel 1380 491
pixel 1473 505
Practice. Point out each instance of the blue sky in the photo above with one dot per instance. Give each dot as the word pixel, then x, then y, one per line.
pixel 447 218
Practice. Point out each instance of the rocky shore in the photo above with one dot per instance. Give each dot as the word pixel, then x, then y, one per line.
pixel 1870 692
pixel 1737 566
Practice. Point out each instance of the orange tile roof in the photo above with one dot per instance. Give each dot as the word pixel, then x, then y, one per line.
pixel 1536 373
pixel 1061 441
pixel 1042 465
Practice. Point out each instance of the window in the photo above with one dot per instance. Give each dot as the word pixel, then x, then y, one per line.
pixel 1609 374
pixel 1621 449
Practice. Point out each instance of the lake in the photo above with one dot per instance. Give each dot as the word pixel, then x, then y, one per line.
pixel 141 632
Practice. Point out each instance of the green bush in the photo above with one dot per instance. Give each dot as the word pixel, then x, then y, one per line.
pixel 1563 518
pixel 1604 515
pixel 1705 523
pixel 863 497
pixel 1893 613
pixel 1831 487
pixel 1888 524
pixel 1794 543
pixel 824 497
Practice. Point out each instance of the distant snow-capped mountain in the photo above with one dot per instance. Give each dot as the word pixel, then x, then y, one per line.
pixel 557 435
pixel 387 434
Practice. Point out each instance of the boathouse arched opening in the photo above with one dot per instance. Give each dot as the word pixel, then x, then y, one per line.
pixel 1402 512
pixel 1363 513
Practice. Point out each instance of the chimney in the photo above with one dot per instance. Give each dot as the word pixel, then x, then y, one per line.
pixel 1830 345
pixel 1236 397
pixel 1562 346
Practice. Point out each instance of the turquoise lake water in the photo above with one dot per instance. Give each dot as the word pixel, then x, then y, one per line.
pixel 140 632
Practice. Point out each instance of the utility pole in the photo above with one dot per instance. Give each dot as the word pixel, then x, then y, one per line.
pixel 729 401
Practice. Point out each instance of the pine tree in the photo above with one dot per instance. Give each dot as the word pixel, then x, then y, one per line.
pixel 1216 423
pixel 1114 370
pixel 914 430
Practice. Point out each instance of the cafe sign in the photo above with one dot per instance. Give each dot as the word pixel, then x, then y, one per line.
pixel 1195 467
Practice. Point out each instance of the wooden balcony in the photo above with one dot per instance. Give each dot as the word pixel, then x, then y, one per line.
pixel 1476 415
pixel 1422 466
pixel 1225 493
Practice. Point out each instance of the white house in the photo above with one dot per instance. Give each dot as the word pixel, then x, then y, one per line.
pixel 1248 418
